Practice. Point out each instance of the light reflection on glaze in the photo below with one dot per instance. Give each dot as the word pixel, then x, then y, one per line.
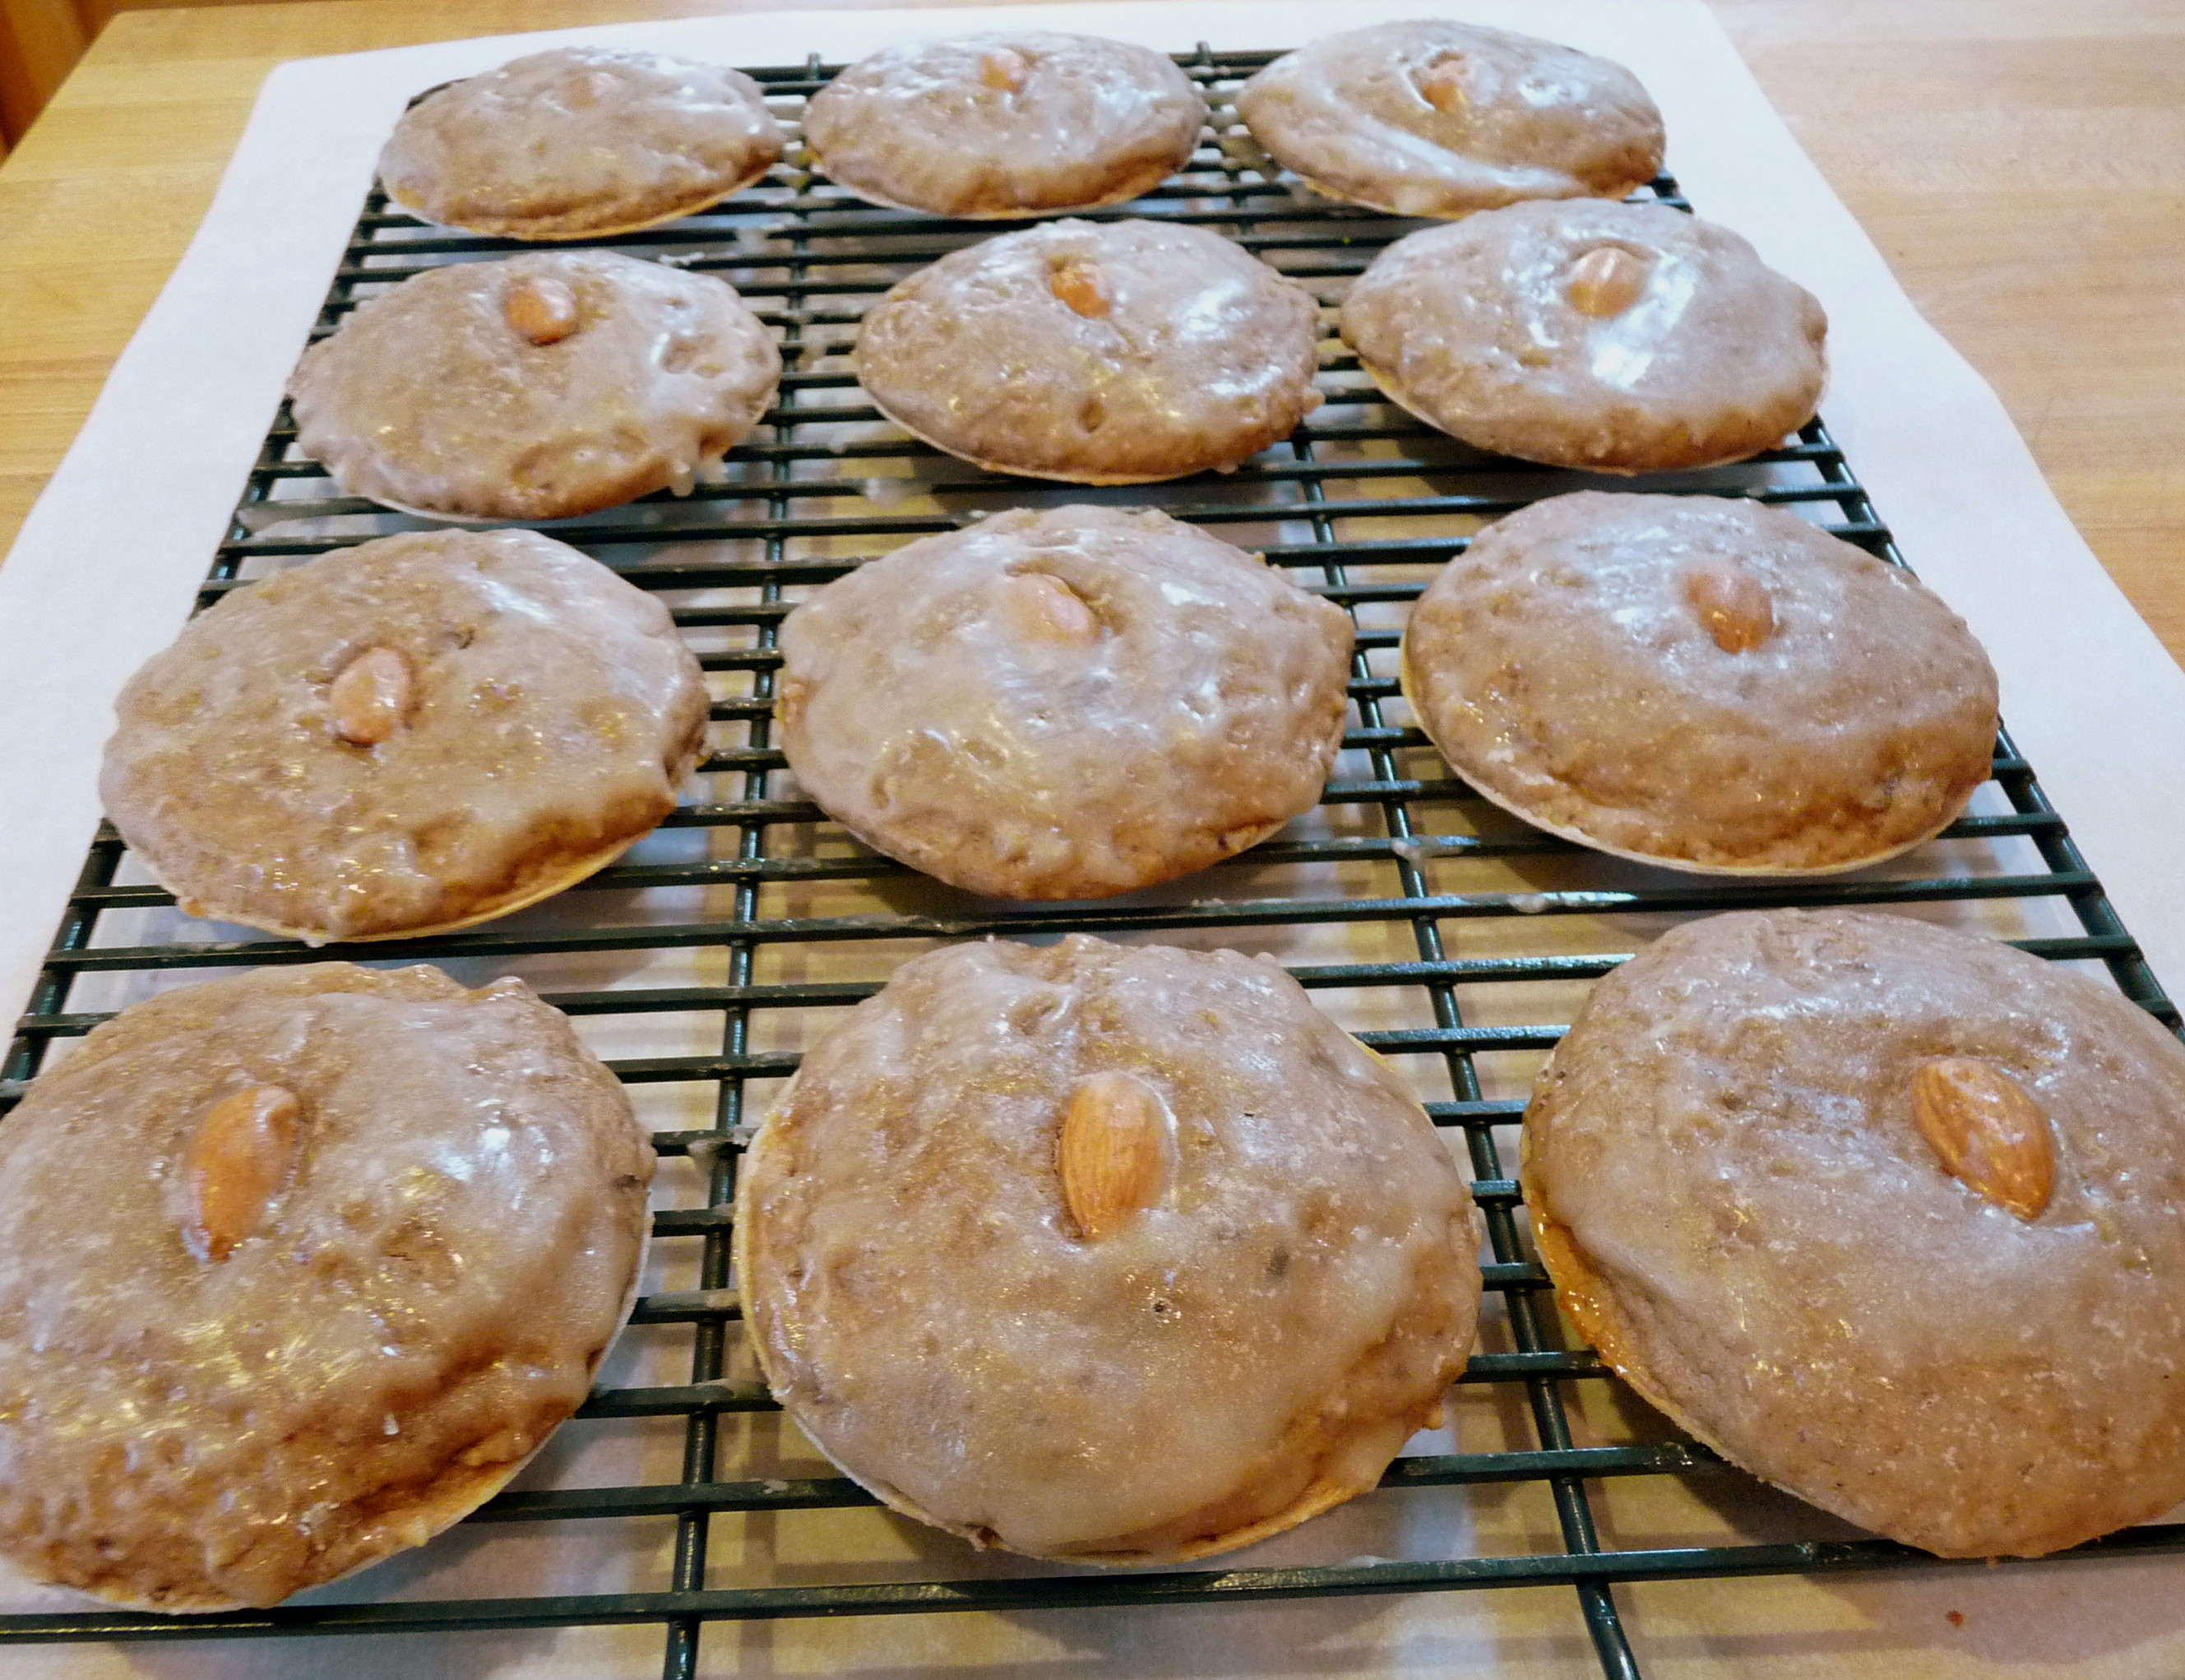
pixel 1537 120
pixel 392 1277
pixel 1207 708
pixel 1559 665
pixel 578 140
pixel 427 398
pixel 557 710
pixel 1295 1301
pixel 1808 1289
pixel 916 125
pixel 1471 326
pixel 1206 357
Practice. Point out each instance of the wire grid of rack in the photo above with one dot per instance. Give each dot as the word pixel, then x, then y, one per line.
pixel 1457 937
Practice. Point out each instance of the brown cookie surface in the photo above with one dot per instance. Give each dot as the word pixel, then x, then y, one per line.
pixel 416 1290
pixel 1079 701
pixel 1011 123
pixel 1245 1343
pixel 1434 118
pixel 1734 1188
pixel 1114 353
pixel 537 387
pixel 534 715
pixel 1700 682
pixel 578 141
pixel 1617 338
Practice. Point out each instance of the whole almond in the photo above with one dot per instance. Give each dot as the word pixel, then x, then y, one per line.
pixel 1080 285
pixel 1113 1152
pixel 371 696
pixel 1606 280
pixel 1042 607
pixel 541 308
pixel 1003 70
pixel 234 1163
pixel 1732 605
pixel 1987 1130
pixel 1441 84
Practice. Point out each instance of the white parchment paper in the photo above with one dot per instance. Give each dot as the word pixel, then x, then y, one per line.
pixel 108 563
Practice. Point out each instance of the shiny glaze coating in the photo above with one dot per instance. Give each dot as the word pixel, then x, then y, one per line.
pixel 1531 119
pixel 918 127
pixel 1471 329
pixel 556 712
pixel 577 142
pixel 1732 1193
pixel 1247 1351
pixel 1205 357
pixel 428 1297
pixel 1202 711
pixel 429 397
pixel 1563 669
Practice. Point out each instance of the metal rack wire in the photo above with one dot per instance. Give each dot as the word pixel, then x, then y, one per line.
pixel 1453 939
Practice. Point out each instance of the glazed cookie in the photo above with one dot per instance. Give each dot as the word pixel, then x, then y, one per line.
pixel 1432 118
pixel 1886 1214
pixel 1079 701
pixel 538 387
pixel 1110 353
pixel 1016 124
pixel 1103 1253
pixel 404 737
pixel 1616 337
pixel 1703 684
pixel 300 1267
pixel 580 141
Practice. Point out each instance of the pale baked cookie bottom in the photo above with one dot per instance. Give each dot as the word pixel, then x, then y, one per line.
pixel 1407 684
pixel 1136 187
pixel 538 228
pixel 1323 1493
pixel 1388 208
pixel 1179 863
pixel 1095 479
pixel 1394 392
pixel 507 904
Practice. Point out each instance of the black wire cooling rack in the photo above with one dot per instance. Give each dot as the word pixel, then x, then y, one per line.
pixel 1449 937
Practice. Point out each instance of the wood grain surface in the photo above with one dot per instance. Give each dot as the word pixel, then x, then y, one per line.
pixel 2020 163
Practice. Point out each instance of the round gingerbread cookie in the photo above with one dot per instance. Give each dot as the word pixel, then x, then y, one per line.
pixel 538 387
pixel 1702 684
pixel 1017 123
pixel 580 141
pixel 1116 353
pixel 404 737
pixel 1614 337
pixel 1886 1214
pixel 1079 701
pixel 1103 1253
pixel 1433 117
pixel 300 1267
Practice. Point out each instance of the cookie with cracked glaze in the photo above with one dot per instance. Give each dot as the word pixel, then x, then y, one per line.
pixel 1110 352
pixel 1246 1349
pixel 578 142
pixel 1613 338
pixel 1081 701
pixel 1726 1172
pixel 1574 665
pixel 549 711
pixel 445 396
pixel 454 1238
pixel 1435 118
pixel 1005 124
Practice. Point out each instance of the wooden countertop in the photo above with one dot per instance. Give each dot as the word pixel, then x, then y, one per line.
pixel 2020 163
